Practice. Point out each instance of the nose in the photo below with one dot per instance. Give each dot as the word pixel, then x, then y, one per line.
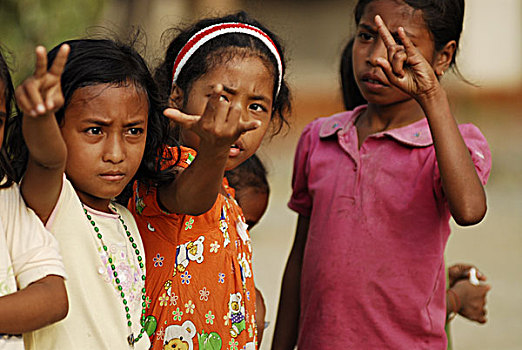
pixel 114 149
pixel 377 50
pixel 240 107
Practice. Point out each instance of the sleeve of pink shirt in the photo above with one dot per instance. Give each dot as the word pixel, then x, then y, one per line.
pixel 301 200
pixel 479 150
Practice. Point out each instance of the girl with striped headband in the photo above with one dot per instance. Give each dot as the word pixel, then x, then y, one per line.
pixel 224 79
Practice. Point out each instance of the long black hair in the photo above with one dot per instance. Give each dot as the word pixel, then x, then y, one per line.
pixel 104 61
pixel 13 152
pixel 352 96
pixel 212 53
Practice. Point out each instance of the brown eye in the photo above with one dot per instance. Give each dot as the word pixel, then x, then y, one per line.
pixel 364 36
pixel 94 131
pixel 135 131
pixel 257 107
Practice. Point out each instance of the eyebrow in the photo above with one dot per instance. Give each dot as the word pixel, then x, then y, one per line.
pixel 101 122
pixel 134 123
pixel 368 27
pixel 252 97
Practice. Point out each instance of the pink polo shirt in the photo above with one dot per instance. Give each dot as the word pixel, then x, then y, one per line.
pixel 373 272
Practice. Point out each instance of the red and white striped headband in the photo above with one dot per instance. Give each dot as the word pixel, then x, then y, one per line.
pixel 209 33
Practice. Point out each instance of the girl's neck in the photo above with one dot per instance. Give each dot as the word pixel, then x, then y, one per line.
pixel 378 118
pixel 99 204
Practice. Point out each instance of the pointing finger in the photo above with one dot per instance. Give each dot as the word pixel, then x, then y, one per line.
pixel 186 120
pixel 250 125
pixel 385 34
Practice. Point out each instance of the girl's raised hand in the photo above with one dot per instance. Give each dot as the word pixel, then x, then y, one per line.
pixel 219 126
pixel 41 93
pixel 405 67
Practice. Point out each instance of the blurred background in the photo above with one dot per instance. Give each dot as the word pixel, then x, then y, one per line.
pixel 314 33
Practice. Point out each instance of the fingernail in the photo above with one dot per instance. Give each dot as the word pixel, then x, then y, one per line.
pixel 50 105
pixel 33 113
pixel 40 108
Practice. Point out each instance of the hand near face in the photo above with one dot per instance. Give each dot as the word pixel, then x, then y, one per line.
pixel 219 126
pixel 405 66
pixel 41 93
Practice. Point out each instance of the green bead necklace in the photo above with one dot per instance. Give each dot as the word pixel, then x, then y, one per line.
pixel 130 339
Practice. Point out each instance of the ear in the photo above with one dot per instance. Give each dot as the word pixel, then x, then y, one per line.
pixel 443 58
pixel 176 97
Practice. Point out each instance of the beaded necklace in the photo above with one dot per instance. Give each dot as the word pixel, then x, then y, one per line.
pixel 130 339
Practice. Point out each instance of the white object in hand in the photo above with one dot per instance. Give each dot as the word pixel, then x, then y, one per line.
pixel 473 276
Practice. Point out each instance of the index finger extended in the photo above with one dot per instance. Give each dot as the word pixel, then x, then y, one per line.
pixel 60 60
pixel 385 34
pixel 40 67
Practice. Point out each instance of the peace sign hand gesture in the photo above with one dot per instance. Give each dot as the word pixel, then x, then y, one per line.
pixel 405 67
pixel 41 93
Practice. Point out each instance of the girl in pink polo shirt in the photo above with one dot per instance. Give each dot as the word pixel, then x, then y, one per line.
pixel 375 188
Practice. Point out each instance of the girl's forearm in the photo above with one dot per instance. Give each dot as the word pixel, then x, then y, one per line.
pixel 460 181
pixel 39 304
pixel 195 190
pixel 42 181
pixel 44 141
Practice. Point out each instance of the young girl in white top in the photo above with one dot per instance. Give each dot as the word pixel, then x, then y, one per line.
pixel 92 115
pixel 32 291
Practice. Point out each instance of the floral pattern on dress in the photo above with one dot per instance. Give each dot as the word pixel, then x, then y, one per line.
pixel 207 262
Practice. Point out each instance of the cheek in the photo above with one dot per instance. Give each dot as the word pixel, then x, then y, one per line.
pixel 135 152
pixel 256 136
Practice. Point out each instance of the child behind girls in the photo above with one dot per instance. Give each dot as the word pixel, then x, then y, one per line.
pixel 375 188
pixel 229 71
pixel 251 193
pixel 92 115
pixel 251 188
pixel 31 269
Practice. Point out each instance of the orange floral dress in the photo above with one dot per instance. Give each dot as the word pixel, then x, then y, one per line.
pixel 200 288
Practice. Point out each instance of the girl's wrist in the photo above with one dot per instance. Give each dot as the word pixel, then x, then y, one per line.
pixel 453 302
pixel 213 153
pixel 435 97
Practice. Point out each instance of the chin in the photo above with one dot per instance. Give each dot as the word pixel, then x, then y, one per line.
pixel 233 163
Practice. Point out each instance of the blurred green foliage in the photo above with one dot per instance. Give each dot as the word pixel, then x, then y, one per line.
pixel 27 23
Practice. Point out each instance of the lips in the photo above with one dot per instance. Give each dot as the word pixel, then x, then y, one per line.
pixel 235 149
pixel 374 80
pixel 113 176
